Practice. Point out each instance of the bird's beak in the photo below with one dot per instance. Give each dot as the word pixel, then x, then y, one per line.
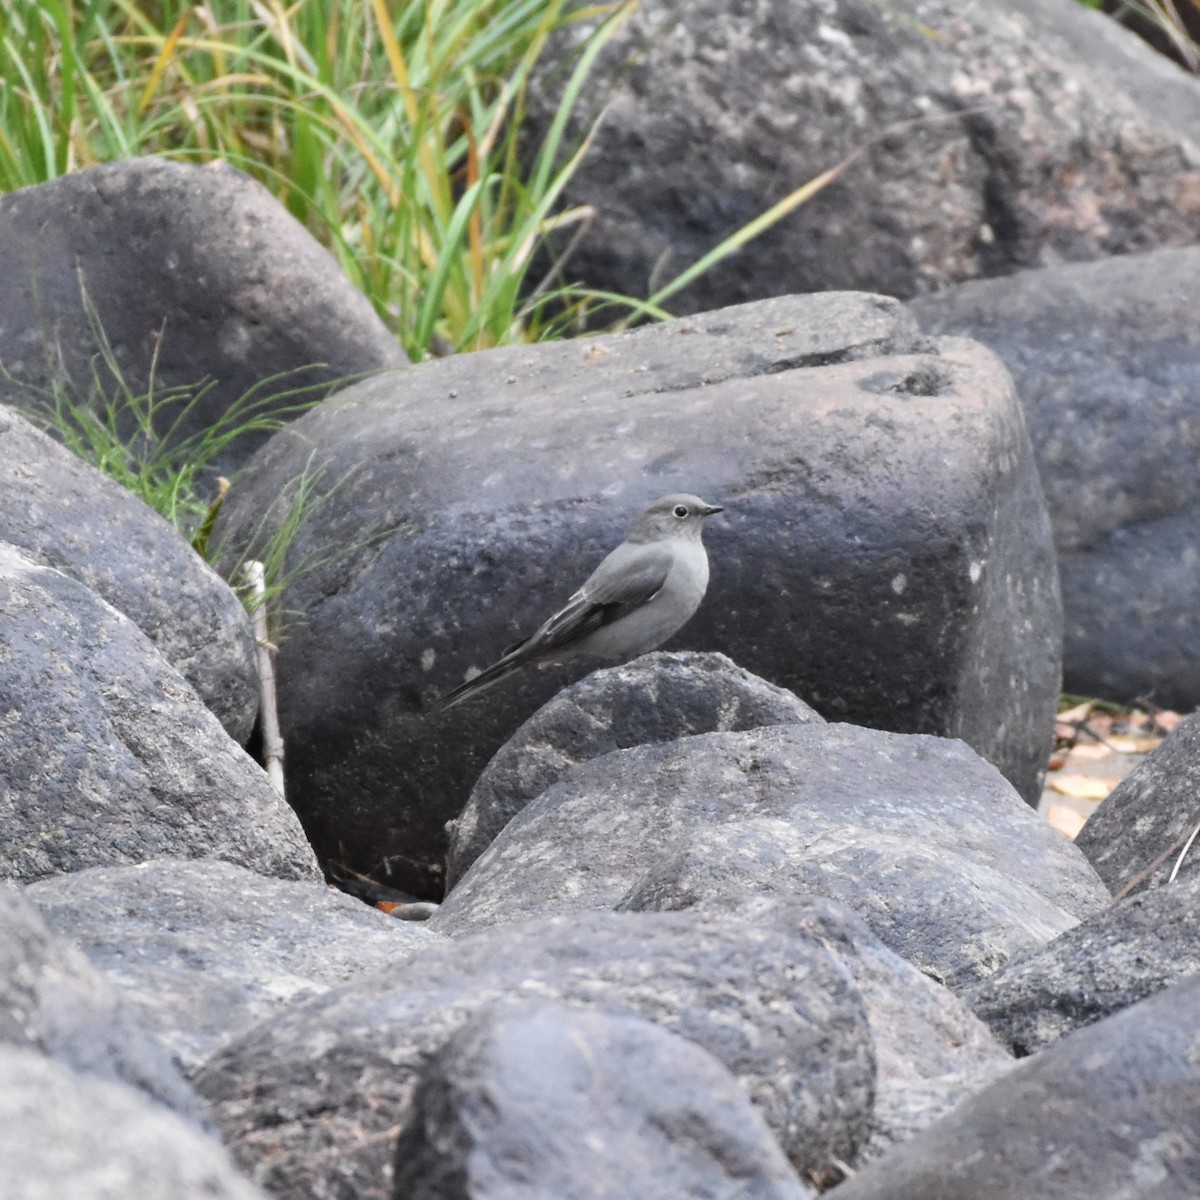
pixel 711 510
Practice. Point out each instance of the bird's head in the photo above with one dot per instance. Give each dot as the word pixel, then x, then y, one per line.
pixel 679 515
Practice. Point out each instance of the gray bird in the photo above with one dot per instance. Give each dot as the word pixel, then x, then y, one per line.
pixel 642 593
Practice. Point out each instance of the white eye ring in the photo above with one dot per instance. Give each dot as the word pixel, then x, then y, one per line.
pixel 680 510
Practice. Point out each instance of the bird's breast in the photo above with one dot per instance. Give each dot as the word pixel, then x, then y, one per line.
pixel 688 578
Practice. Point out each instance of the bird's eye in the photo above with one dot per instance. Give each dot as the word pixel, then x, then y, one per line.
pixel 680 510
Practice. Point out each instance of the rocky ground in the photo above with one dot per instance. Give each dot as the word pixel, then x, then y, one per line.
pixel 802 902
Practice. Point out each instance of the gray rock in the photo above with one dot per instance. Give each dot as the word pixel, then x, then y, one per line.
pixel 931 1051
pixel 309 1100
pixel 192 274
pixel 204 950
pixel 1106 359
pixel 885 554
pixel 996 136
pixel 65 1135
pixel 110 757
pixel 1105 964
pixel 1134 836
pixel 54 1001
pixel 956 916
pixel 1107 1113
pixel 64 514
pixel 547 1102
pixel 656 698
pixel 918 835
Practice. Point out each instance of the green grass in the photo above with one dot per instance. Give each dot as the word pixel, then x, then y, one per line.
pixel 391 130
pixel 141 439
pixel 395 130
pixel 272 541
pixel 117 430
pixel 1165 15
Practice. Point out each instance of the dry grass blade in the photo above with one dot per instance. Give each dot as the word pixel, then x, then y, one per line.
pixel 1183 854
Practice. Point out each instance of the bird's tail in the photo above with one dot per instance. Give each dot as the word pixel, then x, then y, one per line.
pixel 482 681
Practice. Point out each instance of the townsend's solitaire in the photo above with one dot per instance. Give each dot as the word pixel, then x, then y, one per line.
pixel 641 594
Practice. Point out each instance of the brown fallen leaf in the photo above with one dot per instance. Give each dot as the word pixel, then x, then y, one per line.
pixel 1076 715
pixel 1093 750
pixel 1067 821
pixel 1134 745
pixel 1081 787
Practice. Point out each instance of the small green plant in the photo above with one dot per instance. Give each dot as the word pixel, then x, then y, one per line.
pixel 140 439
pixel 1164 15
pixel 137 437
pixel 272 542
pixel 120 434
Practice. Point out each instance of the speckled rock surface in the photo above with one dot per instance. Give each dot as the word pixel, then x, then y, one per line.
pixel 203 950
pixel 63 1134
pixel 1105 964
pixel 309 1102
pixel 110 757
pixel 1108 1112
pixel 1106 359
pixel 995 137
pixel 931 1050
pixel 656 698
pixel 64 514
pixel 54 1002
pixel 918 835
pixel 547 1100
pixel 1136 832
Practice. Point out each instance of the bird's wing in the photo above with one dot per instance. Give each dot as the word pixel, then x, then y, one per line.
pixel 628 578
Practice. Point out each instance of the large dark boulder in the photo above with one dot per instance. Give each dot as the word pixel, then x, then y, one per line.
pixel 202 950
pixel 1136 834
pixel 309 1102
pixel 918 835
pixel 1105 964
pixel 109 756
pixel 885 554
pixel 64 514
pixel 67 1135
pixel 656 698
pixel 1106 1113
pixel 996 137
pixel 1106 359
pixel 548 1101
pixel 54 1002
pixel 185 275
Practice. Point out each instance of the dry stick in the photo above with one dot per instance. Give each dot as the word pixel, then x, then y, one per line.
pixel 268 710
pixel 1142 876
pixel 1182 855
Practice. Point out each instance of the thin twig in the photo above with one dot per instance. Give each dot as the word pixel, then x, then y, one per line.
pixel 1183 855
pixel 1142 876
pixel 268 709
